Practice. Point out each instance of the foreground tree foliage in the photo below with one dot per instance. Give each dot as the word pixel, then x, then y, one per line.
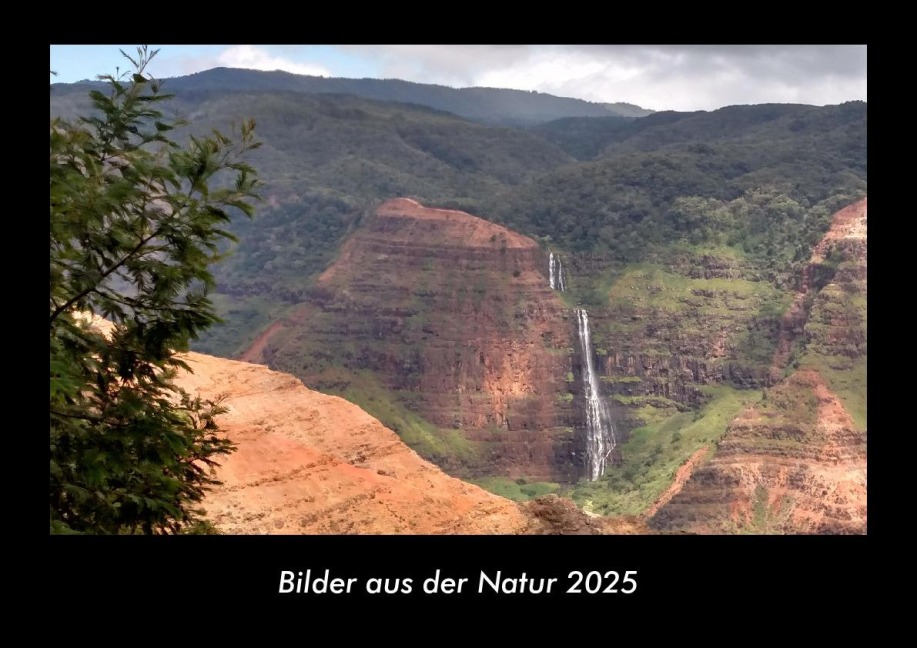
pixel 136 222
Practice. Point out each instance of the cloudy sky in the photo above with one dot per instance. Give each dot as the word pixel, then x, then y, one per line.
pixel 660 77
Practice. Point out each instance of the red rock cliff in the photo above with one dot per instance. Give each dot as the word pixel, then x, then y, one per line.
pixel 454 317
pixel 309 463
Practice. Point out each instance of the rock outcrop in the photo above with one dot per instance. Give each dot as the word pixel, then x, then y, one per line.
pixel 793 464
pixel 453 319
pixel 309 463
pixel 679 323
pixel 796 462
pixel 829 308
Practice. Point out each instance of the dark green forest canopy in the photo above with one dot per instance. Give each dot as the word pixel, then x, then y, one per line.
pixel 762 179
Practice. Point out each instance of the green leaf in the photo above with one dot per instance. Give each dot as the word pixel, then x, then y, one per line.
pixel 124 438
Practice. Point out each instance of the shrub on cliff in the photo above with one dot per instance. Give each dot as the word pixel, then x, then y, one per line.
pixel 136 221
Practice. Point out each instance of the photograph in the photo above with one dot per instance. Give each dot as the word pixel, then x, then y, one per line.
pixel 464 290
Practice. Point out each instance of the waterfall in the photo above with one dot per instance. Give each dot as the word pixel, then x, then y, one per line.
pixel 551 271
pixel 556 273
pixel 600 434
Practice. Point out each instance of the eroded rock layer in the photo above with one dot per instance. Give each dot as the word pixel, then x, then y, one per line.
pixel 309 463
pixel 796 462
pixel 453 319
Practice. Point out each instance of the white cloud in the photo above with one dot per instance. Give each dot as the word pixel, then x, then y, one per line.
pixel 563 73
pixel 661 77
pixel 667 77
pixel 257 58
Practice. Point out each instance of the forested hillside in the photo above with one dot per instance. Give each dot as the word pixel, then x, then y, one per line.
pixel 487 105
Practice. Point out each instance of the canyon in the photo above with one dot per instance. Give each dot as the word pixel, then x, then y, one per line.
pixel 309 463
pixel 442 325
pixel 464 338
pixel 453 319
pixel 791 460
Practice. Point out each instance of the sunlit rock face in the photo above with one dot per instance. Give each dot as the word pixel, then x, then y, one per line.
pixel 456 318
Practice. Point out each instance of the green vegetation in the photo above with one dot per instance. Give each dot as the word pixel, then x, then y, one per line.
pixel 649 410
pixel 840 360
pixel 519 490
pixel 654 452
pixel 489 105
pixel 762 180
pixel 136 222
pixel 440 445
pixel 766 519
pixel 582 137
pixel 654 286
pixel 243 316
pixel 699 299
pixel 846 379
pixel 755 204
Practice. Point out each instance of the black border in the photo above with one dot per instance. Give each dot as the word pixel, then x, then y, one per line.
pixel 763 581
pixel 687 584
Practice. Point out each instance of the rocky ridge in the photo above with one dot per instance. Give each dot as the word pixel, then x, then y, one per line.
pixel 796 461
pixel 309 463
pixel 453 318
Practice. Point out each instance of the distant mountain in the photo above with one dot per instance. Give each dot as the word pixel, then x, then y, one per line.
pixel 324 158
pixel 743 124
pixel 587 138
pixel 633 174
pixel 488 105
pixel 628 109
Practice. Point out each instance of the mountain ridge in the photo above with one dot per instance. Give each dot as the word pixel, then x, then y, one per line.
pixel 489 105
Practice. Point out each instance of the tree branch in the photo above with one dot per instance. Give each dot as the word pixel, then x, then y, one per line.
pixel 70 302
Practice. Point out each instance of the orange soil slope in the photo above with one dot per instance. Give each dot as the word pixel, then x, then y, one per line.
pixel 308 463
